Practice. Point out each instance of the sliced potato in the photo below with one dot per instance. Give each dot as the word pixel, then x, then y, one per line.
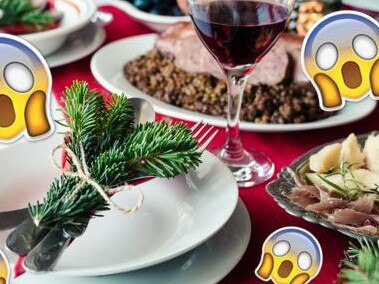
pixel 365 178
pixel 351 152
pixel 371 151
pixel 368 178
pixel 316 180
pixel 328 158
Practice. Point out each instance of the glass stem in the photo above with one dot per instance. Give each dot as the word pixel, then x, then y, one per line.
pixel 236 82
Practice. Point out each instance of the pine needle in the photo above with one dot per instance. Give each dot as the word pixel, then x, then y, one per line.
pixel 22 12
pixel 361 263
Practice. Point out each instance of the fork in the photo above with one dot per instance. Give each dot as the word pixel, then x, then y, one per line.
pixel 198 129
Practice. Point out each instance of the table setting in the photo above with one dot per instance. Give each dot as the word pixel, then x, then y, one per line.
pixel 186 133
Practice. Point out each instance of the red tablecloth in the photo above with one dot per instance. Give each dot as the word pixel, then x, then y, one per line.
pixel 266 216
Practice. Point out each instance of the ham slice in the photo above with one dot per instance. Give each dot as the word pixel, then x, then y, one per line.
pixel 366 230
pixel 292 44
pixel 350 217
pixel 305 195
pixel 327 206
pixel 191 55
pixel 364 204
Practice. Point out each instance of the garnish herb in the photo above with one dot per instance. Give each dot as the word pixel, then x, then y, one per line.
pixel 22 12
pixel 361 263
pixel 352 188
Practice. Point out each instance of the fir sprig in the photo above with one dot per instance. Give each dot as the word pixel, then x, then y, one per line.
pixel 22 12
pixel 115 150
pixel 58 208
pixel 161 149
pixel 361 265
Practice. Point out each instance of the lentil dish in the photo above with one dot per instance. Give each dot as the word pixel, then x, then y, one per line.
pixel 156 74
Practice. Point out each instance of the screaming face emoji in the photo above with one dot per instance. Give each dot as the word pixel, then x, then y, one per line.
pixel 340 56
pixel 25 85
pixel 4 269
pixel 290 255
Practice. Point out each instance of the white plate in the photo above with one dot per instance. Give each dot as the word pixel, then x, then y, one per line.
pixel 78 45
pixel 158 23
pixel 363 4
pixel 107 67
pixel 76 14
pixel 208 263
pixel 177 215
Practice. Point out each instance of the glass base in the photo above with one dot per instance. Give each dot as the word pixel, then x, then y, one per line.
pixel 251 168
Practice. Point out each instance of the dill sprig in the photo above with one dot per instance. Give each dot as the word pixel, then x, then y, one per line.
pixel 22 12
pixel 116 151
pixel 351 188
pixel 361 263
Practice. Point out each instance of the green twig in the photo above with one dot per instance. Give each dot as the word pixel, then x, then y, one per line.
pixel 115 151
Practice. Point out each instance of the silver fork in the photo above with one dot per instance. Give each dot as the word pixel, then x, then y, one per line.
pixel 201 128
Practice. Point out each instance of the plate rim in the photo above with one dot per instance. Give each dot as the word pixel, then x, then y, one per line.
pixel 243 215
pixel 99 34
pixel 285 179
pixel 174 111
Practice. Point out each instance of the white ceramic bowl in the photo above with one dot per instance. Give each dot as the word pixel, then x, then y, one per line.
pixel 156 22
pixel 76 14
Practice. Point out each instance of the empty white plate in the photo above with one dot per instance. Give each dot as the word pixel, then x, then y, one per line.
pixel 107 67
pixel 78 45
pixel 208 263
pixel 177 215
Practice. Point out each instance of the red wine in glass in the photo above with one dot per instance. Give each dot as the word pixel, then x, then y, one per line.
pixel 239 33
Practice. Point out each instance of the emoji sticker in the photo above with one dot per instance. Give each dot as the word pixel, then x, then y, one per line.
pixel 290 255
pixel 4 269
pixel 340 56
pixel 25 87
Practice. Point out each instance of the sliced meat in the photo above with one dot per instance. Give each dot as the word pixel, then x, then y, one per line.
pixel 273 69
pixel 366 229
pixel 192 56
pixel 167 41
pixel 375 210
pixel 293 44
pixel 364 204
pixel 374 219
pixel 304 195
pixel 351 217
pixel 324 193
pixel 327 206
pixel 312 190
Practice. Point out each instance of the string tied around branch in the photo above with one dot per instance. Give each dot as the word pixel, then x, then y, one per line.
pixel 84 175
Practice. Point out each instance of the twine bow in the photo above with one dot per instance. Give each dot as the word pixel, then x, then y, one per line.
pixel 83 173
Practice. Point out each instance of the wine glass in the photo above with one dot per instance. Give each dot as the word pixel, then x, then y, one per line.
pixel 239 33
